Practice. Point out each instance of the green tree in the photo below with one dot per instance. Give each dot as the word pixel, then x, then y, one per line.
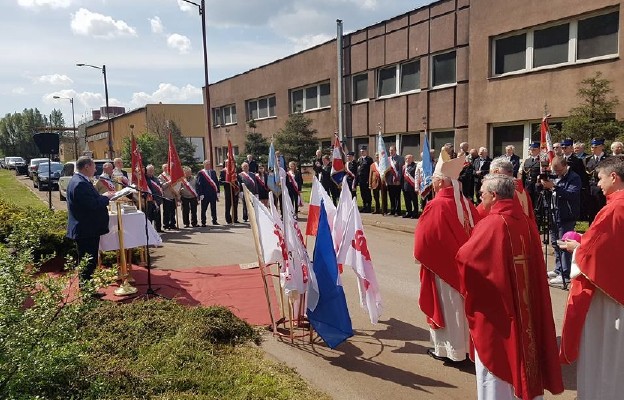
pixel 154 147
pixel 256 145
pixel 296 140
pixel 16 133
pixel 595 115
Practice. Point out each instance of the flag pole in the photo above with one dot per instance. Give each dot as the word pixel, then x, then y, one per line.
pixel 254 230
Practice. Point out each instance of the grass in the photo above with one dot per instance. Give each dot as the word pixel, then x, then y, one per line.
pixel 14 192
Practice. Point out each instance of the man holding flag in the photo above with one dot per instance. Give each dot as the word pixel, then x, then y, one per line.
pixel 229 179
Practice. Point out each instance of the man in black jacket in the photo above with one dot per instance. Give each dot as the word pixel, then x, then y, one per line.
pixel 595 199
pixel 531 171
pixel 578 166
pixel 481 168
pixel 363 175
pixel 410 192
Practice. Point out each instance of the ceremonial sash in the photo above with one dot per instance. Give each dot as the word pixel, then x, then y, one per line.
pixel 107 183
pixel 118 173
pixel 260 180
pixel 166 177
pixel 291 177
pixel 154 186
pixel 189 187
pixel 393 169
pixel 352 175
pixel 249 179
pixel 209 179
pixel 408 177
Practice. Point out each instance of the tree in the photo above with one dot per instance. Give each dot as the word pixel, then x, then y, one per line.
pixel 256 145
pixel 595 115
pixel 296 140
pixel 16 133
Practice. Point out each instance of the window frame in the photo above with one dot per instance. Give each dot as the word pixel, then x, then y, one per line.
pixel 572 58
pixel 257 108
pixel 432 72
pixel 398 75
pixel 218 115
pixel 353 86
pixel 303 91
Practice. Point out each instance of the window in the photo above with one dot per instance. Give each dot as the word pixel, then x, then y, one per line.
pixel 310 98
pixel 360 87
pixel 503 136
pixel 598 36
pixel 577 40
pixel 410 144
pixel 550 45
pixel 261 108
pixel 439 139
pixel 225 115
pixel 400 78
pixel 510 54
pixel 198 142
pixel 443 69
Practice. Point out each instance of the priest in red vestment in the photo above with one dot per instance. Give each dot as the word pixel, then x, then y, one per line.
pixel 507 300
pixel 594 320
pixel 445 224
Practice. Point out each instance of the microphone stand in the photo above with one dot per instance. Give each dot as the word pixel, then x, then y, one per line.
pixel 150 291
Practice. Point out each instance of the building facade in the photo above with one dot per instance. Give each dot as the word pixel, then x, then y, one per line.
pixel 481 71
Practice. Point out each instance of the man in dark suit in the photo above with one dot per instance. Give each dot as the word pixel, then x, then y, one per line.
pixel 530 172
pixel 352 167
pixel 87 217
pixel 155 200
pixel 363 175
pixel 253 164
pixel 410 192
pixel 466 176
pixel 230 191
pixel 208 190
pixel 578 166
pixel 394 181
pixel 481 168
pixel 513 158
pixel 595 200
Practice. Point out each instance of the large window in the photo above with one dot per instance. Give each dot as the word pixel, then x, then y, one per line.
pixel 577 40
pixel 225 115
pixel 443 69
pixel 410 144
pixel 360 87
pixel 310 98
pixel 503 136
pixel 439 139
pixel 399 78
pixel 261 108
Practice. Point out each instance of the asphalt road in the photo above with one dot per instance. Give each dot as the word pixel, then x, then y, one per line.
pixel 383 361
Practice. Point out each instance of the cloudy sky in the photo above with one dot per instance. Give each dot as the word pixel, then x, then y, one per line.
pixel 152 49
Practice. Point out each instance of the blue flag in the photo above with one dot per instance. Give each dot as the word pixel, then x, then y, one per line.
pixel 427 169
pixel 330 318
pixel 272 167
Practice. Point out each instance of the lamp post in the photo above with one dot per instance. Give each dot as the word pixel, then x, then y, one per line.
pixel 71 100
pixel 202 13
pixel 111 152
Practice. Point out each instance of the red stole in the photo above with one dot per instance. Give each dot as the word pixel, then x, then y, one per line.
pixel 438 236
pixel 189 187
pixel 393 169
pixel 206 175
pixel 154 186
pixel 408 177
pixel 248 180
pixel 597 259
pixel 107 183
pixel 507 302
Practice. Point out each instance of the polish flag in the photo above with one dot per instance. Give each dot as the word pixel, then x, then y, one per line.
pixel 354 252
pixel 342 215
pixel 317 194
pixel 338 164
pixel 546 141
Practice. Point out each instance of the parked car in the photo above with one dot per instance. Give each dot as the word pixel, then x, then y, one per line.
pixel 34 163
pixel 16 163
pixel 43 178
pixel 68 171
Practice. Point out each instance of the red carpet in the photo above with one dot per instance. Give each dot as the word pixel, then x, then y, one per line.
pixel 240 290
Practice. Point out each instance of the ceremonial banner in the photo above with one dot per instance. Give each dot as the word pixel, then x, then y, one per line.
pixel 270 233
pixel 427 169
pixel 354 252
pixel 175 167
pixel 384 160
pixel 138 172
pixel 342 216
pixel 317 195
pixel 330 318
pixel 546 141
pixel 338 162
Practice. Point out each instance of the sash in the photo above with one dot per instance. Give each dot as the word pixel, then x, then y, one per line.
pixel 117 173
pixel 291 178
pixel 260 180
pixel 393 169
pixel 154 186
pixel 209 179
pixel 107 183
pixel 408 177
pixel 189 187
pixel 249 179
pixel 352 175
pixel 165 177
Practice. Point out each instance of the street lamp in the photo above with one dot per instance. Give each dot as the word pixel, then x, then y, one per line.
pixel 71 100
pixel 111 152
pixel 202 8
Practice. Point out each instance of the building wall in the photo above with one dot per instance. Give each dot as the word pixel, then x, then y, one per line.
pixel 521 98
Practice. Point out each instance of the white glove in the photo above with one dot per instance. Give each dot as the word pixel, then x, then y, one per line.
pixel 201 197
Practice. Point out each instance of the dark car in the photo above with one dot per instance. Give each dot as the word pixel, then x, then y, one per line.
pixel 68 171
pixel 18 164
pixel 34 164
pixel 41 177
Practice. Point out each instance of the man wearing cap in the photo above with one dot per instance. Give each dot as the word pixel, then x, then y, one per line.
pixel 351 171
pixel 362 179
pixel 443 227
pixel 507 302
pixel 595 200
pixel 592 328
pixel 531 170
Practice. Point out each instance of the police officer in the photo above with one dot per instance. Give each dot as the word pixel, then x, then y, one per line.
pixel 362 177
pixel 577 165
pixel 596 200
pixel 531 171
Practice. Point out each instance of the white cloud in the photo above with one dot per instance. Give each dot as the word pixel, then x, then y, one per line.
pixel 87 23
pixel 18 90
pixel 54 79
pixel 179 42
pixel 307 41
pixel 156 25
pixel 44 3
pixel 167 93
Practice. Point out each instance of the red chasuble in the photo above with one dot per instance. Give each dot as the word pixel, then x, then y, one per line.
pixel 438 236
pixel 597 258
pixel 507 301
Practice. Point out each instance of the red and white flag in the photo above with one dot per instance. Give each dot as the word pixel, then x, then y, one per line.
pixel 342 216
pixel 270 233
pixel 354 252
pixel 175 166
pixel 546 141
pixel 317 194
